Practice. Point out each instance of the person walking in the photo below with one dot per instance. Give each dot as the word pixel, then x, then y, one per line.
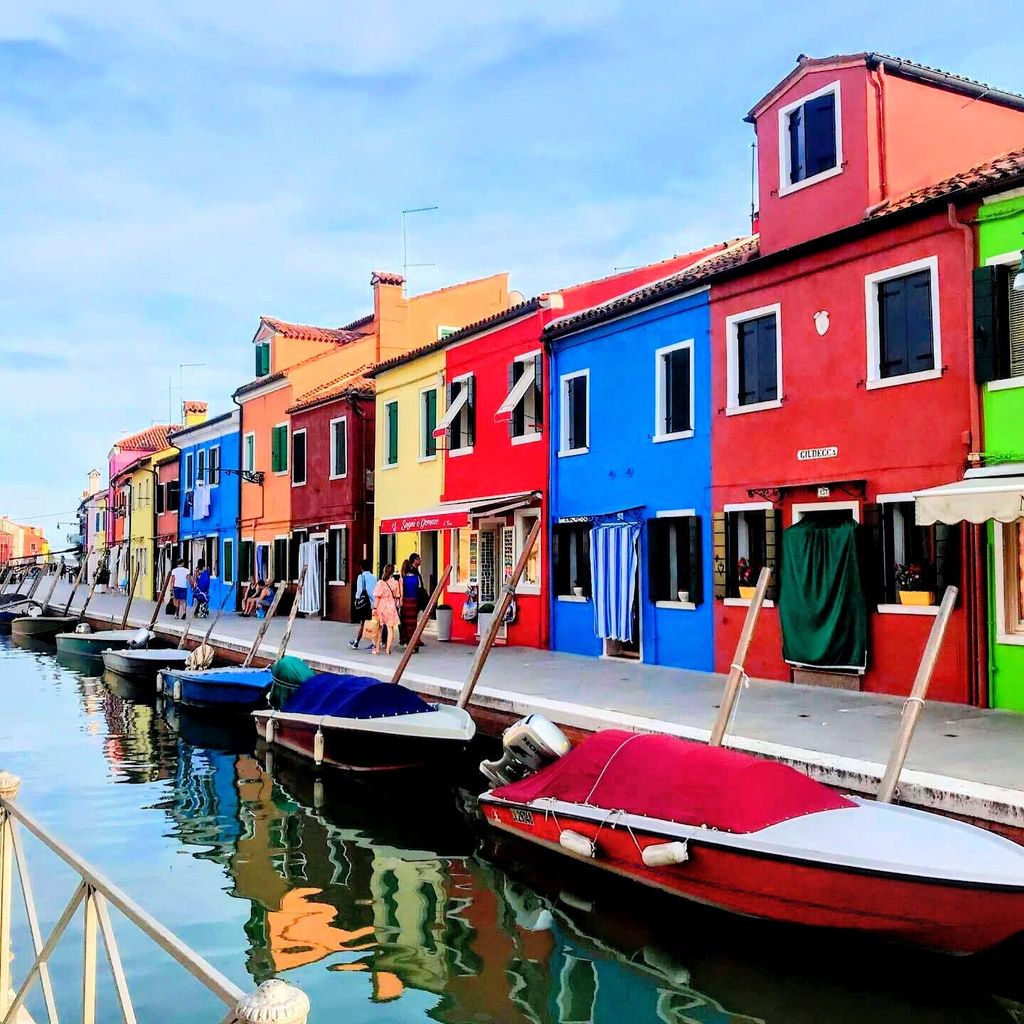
pixel 362 607
pixel 387 597
pixel 412 586
pixel 201 588
pixel 179 589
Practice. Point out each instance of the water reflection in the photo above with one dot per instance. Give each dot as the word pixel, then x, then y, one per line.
pixel 390 894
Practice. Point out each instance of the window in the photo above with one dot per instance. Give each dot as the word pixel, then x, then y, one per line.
pixel 391 433
pixel 279 448
pixel 899 541
pixel 337 554
pixel 903 324
pixel 280 567
pixel 262 358
pixel 189 471
pixel 387 552
pixel 444 332
pixel 211 551
pixel 249 453
pixel 525 521
pixel 465 546
pixel 161 497
pixel 229 561
pixel 674 391
pixel 245 566
pixel 214 465
pixel 339 447
pixel 745 541
pixel 201 477
pixel 263 567
pixel 575 413
pixel 173 495
pixel 1010 568
pixel 524 401
pixel 577 991
pixel 754 360
pixel 460 414
pixel 298 458
pixel 810 139
pixel 570 543
pixel 998 322
pixel 674 558
pixel 299 537
pixel 428 423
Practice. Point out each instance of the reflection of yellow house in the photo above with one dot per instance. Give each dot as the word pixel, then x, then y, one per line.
pixel 409 466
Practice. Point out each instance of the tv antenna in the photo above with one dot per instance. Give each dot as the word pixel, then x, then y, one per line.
pixel 405 239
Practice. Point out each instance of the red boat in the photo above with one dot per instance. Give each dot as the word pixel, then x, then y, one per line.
pixel 759 838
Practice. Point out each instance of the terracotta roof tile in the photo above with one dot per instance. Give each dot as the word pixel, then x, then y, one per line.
pixel 355 382
pixel 383 277
pixel 362 321
pixel 308 332
pixel 254 385
pixel 152 439
pixel 195 406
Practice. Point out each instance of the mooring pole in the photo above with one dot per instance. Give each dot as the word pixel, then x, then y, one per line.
pixel 53 585
pixel 421 624
pixel 265 623
pixel 736 672
pixel 160 600
pixel 292 612
pixel 131 594
pixel 914 704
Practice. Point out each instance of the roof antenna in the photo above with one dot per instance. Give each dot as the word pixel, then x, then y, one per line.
pixel 405 239
pixel 753 184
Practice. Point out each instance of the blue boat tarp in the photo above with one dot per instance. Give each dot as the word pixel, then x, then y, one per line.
pixel 258 680
pixel 343 696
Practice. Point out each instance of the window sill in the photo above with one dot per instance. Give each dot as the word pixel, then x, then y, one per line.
pixel 457 588
pixel 796 186
pixel 389 465
pixel 427 458
pixel 744 602
pixel 908 609
pixel 528 590
pixel 680 606
pixel 338 476
pixel 740 410
pixel 454 453
pixel 568 452
pixel 572 599
pixel 336 583
pixel 1005 385
pixel 679 435
pixel 906 378
pixel 280 472
pixel 527 438
pixel 295 484
pixel 1011 639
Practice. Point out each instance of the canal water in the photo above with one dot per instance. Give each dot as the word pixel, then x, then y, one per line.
pixel 391 905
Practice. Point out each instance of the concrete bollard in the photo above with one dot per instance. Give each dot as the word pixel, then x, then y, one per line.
pixel 9 785
pixel 274 1002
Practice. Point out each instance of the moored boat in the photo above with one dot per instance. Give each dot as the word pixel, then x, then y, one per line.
pixel 360 723
pixel 221 689
pixel 93 645
pixel 42 627
pixel 761 839
pixel 15 610
pixel 144 664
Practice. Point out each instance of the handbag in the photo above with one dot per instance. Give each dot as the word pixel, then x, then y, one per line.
pixel 469 609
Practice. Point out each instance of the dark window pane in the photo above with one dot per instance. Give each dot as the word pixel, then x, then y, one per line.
pixel 905 325
pixel 677 391
pixel 820 134
pixel 519 412
pixel 757 361
pixel 577 395
pixel 796 148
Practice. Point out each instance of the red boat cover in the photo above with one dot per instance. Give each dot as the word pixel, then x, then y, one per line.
pixel 689 783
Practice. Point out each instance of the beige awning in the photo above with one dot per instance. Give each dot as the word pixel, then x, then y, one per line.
pixel 983 495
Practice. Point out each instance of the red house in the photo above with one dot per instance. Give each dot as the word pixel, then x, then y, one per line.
pixel 843 375
pixel 332 487
pixel 167 496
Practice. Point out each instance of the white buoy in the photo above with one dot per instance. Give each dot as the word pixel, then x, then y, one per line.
pixel 177 690
pixel 159 682
pixel 661 855
pixel 578 844
pixel 270 730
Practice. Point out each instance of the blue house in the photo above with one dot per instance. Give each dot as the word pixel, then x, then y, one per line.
pixel 208 512
pixel 631 478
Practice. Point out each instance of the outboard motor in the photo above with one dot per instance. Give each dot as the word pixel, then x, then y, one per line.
pixel 140 639
pixel 83 627
pixel 529 745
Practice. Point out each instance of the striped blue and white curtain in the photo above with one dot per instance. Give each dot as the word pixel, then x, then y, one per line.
pixel 614 557
pixel 261 568
pixel 309 599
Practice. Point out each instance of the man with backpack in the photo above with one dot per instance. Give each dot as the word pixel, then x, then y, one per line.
pixel 362 607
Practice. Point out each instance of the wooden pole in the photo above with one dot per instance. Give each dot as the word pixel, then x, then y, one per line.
pixel 131 594
pixel 736 673
pixel 915 702
pixel 35 583
pixel 220 612
pixel 421 624
pixel 53 586
pixel 292 612
pixel 266 622
pixel 190 612
pixel 5 579
pixel 487 641
pixel 160 600
pixel 75 585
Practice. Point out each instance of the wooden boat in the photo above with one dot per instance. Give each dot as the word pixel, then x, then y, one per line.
pixel 759 838
pixel 93 645
pixel 360 723
pixel 15 610
pixel 219 689
pixel 143 665
pixel 42 627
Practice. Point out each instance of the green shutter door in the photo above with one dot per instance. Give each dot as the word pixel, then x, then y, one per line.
pixel 392 434
pixel 430 446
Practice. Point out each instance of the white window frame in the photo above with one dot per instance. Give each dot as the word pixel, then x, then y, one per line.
pixel 660 397
pixel 385 438
pixel 874 379
pixel 1005 383
pixel 190 470
pixel 1003 634
pixel 227 560
pixel 732 359
pixel 676 513
pixel 534 434
pixel 209 465
pixel 454 533
pixel 249 464
pixel 287 471
pixel 424 436
pixel 800 509
pixel 215 548
pixel 902 609
pixel 745 506
pixel 342 529
pixel 335 475
pixel 305 457
pixel 786 187
pixel 520 537
pixel 564 450
pixel 202 462
pixel 455 453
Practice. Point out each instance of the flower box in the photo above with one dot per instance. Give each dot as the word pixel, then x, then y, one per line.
pixel 920 598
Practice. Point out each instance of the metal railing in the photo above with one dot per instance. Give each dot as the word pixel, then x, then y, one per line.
pixel 274 1001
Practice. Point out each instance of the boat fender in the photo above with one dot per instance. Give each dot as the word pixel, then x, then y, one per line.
pixel 318 794
pixel 270 731
pixel 268 762
pixel 159 682
pixel 661 855
pixel 578 844
pixel 83 627
pixel 177 690
pixel 318 746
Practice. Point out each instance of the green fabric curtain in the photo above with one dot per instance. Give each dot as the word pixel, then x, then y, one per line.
pixel 821 604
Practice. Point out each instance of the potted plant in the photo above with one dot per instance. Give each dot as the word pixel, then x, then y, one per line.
pixel 444 621
pixel 576 588
pixel 911 586
pixel 483 619
pixel 747 578
pixel 684 596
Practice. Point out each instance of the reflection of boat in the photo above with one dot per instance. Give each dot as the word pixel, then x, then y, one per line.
pixel 143 665
pixel 42 627
pixel 222 689
pixel 83 664
pixel 363 724
pixel 233 734
pixel 92 645
pixel 759 838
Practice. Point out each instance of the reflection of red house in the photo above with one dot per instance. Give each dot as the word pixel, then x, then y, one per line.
pixel 6 547
pixel 167 494
pixel 842 373
pixel 333 506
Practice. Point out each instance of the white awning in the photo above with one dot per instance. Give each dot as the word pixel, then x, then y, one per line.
pixel 453 410
pixel 983 495
pixel 519 389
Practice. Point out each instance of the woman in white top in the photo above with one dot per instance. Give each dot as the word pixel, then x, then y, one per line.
pixel 362 607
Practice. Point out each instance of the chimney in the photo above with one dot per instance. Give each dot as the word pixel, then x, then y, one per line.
pixel 94 481
pixel 193 413
pixel 389 310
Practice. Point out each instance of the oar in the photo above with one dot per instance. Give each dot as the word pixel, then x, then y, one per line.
pixel 487 641
pixel 53 585
pixel 421 624
pixel 160 600
pixel 266 622
pixel 736 673
pixel 131 594
pixel 286 639
pixel 915 702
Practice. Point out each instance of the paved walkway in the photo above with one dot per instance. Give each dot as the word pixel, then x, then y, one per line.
pixel 963 759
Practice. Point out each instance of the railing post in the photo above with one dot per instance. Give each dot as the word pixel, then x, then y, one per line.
pixel 9 785
pixel 274 1002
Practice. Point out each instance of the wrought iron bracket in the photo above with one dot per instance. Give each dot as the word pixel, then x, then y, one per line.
pixel 772 494
pixel 250 476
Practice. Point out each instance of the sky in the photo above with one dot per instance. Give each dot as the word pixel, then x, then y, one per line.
pixel 173 171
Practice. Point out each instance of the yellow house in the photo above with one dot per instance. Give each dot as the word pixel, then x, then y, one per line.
pixel 409 470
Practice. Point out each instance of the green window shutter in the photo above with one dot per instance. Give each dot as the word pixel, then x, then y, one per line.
pixel 275 451
pixel 696 560
pixel 718 540
pixel 264 359
pixel 392 438
pixel 989 323
pixel 430 446
pixel 772 550
pixel 259 360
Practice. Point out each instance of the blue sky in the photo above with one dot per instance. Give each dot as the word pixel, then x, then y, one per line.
pixel 171 171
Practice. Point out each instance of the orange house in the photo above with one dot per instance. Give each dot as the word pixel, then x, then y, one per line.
pixel 292 360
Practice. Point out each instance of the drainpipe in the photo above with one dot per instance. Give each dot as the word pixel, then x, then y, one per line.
pixel 547 569
pixel 367 524
pixel 877 79
pixel 238 518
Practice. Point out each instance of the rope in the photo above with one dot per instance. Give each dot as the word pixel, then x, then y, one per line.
pixel 744 678
pixel 615 753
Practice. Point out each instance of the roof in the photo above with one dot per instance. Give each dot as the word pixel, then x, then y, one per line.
pixel 355 382
pixel 894 66
pixel 210 422
pixel 308 332
pixel 384 277
pixel 362 321
pixel 255 385
pixel 152 439
pixel 194 406
pixel 167 460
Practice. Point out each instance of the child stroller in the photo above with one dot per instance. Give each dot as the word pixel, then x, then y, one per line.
pixel 202 602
